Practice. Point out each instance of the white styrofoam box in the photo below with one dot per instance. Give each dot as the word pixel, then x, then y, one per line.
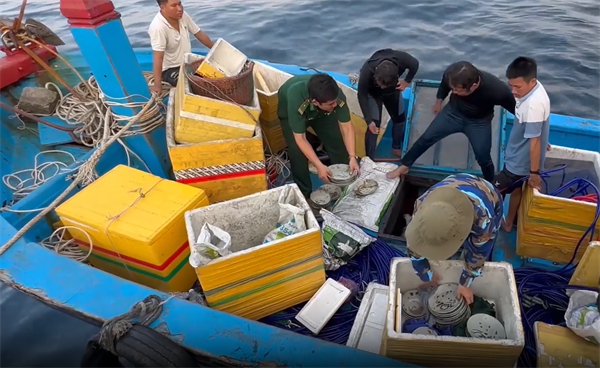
pixel 368 326
pixel 323 305
pixel 496 284
pixel 226 58
pixel 274 78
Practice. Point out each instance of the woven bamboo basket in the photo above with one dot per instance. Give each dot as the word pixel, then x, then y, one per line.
pixel 239 89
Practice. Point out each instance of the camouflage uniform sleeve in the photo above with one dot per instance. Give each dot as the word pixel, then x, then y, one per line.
pixel 420 264
pixel 477 249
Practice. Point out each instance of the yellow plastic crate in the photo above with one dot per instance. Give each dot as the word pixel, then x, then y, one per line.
pixel 135 221
pixel 257 279
pixel 267 81
pixel 550 227
pixel 273 136
pixel 197 128
pixel 224 169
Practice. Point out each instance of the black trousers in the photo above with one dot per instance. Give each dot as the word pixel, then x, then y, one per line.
pixel 395 108
pixel 449 121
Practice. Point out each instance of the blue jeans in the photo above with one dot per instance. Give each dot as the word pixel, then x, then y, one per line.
pixel 395 108
pixel 449 121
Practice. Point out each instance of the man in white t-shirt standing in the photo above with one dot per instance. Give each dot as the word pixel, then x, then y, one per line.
pixel 528 141
pixel 170 38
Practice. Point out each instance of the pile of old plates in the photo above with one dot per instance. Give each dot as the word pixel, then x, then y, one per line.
pixel 447 308
pixel 484 326
pixel 412 305
pixel 425 331
pixel 340 175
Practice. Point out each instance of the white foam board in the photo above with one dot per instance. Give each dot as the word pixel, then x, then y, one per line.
pixel 367 330
pixel 323 305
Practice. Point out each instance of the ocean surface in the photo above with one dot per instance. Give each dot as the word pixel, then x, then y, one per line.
pixel 338 35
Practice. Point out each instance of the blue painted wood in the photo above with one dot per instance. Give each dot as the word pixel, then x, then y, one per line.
pixel 50 136
pixel 108 52
pixel 101 296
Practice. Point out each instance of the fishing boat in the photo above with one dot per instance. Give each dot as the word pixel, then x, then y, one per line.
pixel 60 157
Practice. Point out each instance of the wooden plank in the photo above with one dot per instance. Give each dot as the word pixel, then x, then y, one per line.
pixel 587 272
pixel 560 347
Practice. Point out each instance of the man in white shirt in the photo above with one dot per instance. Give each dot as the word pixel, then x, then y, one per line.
pixel 170 38
pixel 528 142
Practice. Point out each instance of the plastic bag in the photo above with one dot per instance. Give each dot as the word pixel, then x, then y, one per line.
pixel 212 243
pixel 341 240
pixel 291 218
pixel 582 315
pixel 366 212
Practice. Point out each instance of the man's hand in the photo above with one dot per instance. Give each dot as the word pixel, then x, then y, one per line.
pixel 354 168
pixel 437 107
pixel 535 181
pixel 324 173
pixel 402 85
pixel 156 88
pixel 402 170
pixel 548 147
pixel 435 280
pixel 465 293
pixel 373 128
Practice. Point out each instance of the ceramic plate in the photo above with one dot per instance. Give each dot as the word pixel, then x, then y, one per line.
pixel 333 190
pixel 486 327
pixel 320 197
pixel 340 172
pixel 425 331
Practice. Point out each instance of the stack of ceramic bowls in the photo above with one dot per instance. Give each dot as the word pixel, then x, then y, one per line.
pixel 483 326
pixel 319 199
pixel 333 190
pixel 425 331
pixel 412 305
pixel 340 175
pixel 448 308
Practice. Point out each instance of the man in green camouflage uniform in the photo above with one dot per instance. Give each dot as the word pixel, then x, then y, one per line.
pixel 315 101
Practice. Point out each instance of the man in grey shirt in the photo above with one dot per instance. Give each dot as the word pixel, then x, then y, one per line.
pixel 528 141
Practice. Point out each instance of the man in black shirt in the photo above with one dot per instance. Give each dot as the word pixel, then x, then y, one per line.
pixel 380 80
pixel 470 111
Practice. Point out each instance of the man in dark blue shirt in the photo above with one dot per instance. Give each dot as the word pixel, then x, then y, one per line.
pixel 470 111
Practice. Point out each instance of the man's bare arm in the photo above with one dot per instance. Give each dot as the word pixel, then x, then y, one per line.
pixel 204 39
pixel 157 62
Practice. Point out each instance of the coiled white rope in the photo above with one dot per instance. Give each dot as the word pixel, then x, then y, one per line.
pixel 85 173
pixel 59 243
pixel 94 120
pixel 23 182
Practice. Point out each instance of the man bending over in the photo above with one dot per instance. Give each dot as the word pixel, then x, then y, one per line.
pixel 470 111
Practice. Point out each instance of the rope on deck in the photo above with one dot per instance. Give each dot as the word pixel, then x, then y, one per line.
pixel 143 313
pixel 85 174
